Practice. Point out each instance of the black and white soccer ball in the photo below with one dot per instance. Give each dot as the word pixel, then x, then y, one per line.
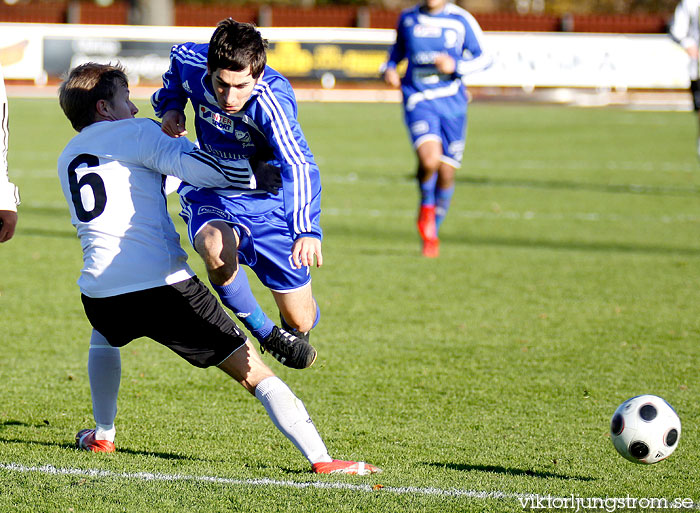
pixel 645 429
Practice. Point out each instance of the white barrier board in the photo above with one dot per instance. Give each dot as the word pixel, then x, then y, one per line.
pixel 527 60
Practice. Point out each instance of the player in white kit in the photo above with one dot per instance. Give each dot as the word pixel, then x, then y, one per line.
pixel 135 279
pixel 9 193
pixel 685 30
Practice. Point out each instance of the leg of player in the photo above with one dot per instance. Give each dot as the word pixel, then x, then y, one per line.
pixel 444 190
pixel 299 311
pixel 697 112
pixel 217 244
pixel 695 95
pixel 287 412
pixel 104 372
pixel 429 154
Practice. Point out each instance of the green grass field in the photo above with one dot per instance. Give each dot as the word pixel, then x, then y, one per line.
pixel 568 281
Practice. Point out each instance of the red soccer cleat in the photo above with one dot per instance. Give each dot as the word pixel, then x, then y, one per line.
pixel 85 439
pixel 428 231
pixel 359 468
pixel 431 248
pixel 426 222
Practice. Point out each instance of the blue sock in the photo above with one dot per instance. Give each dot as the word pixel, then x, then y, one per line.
pixel 318 314
pixel 238 297
pixel 427 191
pixel 443 198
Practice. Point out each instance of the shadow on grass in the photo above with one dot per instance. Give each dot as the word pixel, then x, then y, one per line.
pixel 384 248
pixel 7 423
pixel 120 450
pixel 658 190
pixel 570 245
pixel 496 469
pixel 42 232
pixel 25 227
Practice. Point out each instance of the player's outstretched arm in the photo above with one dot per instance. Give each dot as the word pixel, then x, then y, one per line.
pixel 304 250
pixel 143 141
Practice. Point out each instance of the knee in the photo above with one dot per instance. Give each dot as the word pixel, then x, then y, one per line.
pixel 306 320
pixel 221 272
pixel 430 163
pixel 303 325
pixel 429 155
pixel 219 259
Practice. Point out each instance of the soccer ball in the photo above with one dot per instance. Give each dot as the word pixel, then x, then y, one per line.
pixel 645 429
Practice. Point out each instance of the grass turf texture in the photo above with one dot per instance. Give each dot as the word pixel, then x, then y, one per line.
pixel 568 281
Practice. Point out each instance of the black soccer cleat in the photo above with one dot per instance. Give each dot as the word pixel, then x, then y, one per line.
pixel 288 349
pixel 286 327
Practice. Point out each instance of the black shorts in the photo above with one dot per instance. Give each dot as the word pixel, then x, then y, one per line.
pixel 184 317
pixel 695 92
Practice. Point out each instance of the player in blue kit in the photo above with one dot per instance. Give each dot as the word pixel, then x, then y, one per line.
pixel 442 44
pixel 245 109
pixel 135 280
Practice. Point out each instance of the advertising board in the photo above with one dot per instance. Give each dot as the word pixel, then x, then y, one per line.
pixel 331 55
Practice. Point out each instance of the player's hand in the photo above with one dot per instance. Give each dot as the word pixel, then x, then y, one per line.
pixel 8 221
pixel 267 176
pixel 692 51
pixel 174 123
pixel 445 64
pixel 391 77
pixel 304 250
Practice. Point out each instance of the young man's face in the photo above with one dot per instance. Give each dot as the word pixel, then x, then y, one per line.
pixel 121 106
pixel 232 88
pixel 434 5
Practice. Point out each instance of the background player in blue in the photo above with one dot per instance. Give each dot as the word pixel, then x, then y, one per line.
pixel 245 108
pixel 442 44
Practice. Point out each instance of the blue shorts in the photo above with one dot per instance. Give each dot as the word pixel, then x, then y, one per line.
pixel 425 123
pixel 265 240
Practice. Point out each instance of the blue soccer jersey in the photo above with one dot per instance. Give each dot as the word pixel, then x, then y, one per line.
pixel 420 38
pixel 266 127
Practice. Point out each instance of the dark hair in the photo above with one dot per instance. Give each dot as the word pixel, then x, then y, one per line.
pixel 235 45
pixel 85 86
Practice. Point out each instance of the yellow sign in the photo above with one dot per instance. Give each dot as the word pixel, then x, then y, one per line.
pixel 290 58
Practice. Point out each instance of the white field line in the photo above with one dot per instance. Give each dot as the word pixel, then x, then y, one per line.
pixel 148 476
pixel 523 498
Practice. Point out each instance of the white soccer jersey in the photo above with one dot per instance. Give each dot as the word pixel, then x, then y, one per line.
pixel 8 193
pixel 685 30
pixel 112 174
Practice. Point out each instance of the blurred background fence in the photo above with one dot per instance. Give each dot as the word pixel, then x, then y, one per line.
pixel 612 16
pixel 597 52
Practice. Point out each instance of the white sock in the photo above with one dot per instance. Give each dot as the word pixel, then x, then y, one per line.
pixel 104 371
pixel 288 414
pixel 105 432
